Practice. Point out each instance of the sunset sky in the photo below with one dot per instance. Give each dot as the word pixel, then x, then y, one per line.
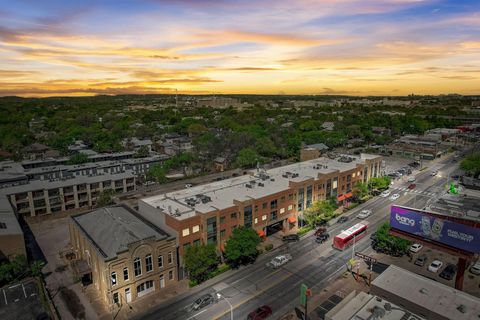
pixel 362 47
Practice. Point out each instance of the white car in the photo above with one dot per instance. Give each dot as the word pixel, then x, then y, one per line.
pixel 188 185
pixel 433 173
pixel 415 247
pixel 435 266
pixel 364 213
pixel 411 179
pixel 475 269
pixel 385 193
pixel 394 196
pixel 279 261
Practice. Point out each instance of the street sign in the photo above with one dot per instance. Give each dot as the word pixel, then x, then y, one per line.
pixel 303 294
pixel 365 257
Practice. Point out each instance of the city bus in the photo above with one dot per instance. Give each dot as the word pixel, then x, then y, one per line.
pixel 346 237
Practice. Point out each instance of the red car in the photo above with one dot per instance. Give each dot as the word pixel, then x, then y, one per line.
pixel 261 313
pixel 412 186
pixel 320 231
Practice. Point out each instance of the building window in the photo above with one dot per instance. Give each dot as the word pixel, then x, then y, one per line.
pixel 212 230
pixel 273 204
pixel 186 246
pixel 290 196
pixel 264 217
pixel 148 263
pixel 282 199
pixel 115 298
pixel 3 225
pixel 233 215
pixel 290 207
pixel 162 281
pixel 170 258
pixel 282 210
pixel 160 261
pixel 185 232
pixel 256 208
pixel 222 219
pixel 146 286
pixel 137 267
pixel 195 229
pixel 114 278
pixel 273 215
pixel 196 242
pixel 264 205
pixel 256 220
pixel 125 274
pixel 222 233
pixel 170 275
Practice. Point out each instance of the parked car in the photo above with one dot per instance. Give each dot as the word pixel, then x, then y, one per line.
pixel 433 173
pixel 394 196
pixel 203 301
pixel 411 179
pixel 322 238
pixel 188 185
pixel 320 231
pixel 364 214
pixel 375 192
pixel 412 186
pixel 279 261
pixel 415 247
pixel 435 266
pixel 475 269
pixel 421 260
pixel 342 219
pixel 385 193
pixel 261 313
pixel 448 272
pixel 291 238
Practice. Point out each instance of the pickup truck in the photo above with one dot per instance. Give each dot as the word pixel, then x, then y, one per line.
pixel 279 261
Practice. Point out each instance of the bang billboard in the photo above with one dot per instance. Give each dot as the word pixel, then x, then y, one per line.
pixel 433 228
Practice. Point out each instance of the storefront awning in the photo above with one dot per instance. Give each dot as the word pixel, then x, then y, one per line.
pixel 341 197
pixel 292 219
pixel 261 233
pixel 348 195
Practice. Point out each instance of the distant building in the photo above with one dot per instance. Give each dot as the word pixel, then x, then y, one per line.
pixel 133 144
pixel 12 243
pixel 328 126
pixel 123 255
pixel 427 146
pixel 430 299
pixel 381 131
pixel 220 164
pixel 77 146
pixel 39 151
pixel 218 102
pixel 312 151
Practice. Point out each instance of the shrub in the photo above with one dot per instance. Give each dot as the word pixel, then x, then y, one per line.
pixel 269 247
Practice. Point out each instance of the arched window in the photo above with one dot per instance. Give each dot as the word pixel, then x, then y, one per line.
pixel 137 267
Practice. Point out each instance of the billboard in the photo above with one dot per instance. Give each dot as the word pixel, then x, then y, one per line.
pixel 434 228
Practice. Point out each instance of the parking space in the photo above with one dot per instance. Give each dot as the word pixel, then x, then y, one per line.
pixel 22 301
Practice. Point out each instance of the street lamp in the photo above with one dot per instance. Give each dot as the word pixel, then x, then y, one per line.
pixel 231 307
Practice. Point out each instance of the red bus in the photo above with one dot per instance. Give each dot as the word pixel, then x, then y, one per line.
pixel 345 239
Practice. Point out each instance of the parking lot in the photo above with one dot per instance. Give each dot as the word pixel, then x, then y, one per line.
pixel 22 301
pixel 471 282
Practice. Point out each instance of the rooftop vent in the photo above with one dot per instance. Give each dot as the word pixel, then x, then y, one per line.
pixel 260 184
pixel 248 186
pixel 272 179
pixel 424 291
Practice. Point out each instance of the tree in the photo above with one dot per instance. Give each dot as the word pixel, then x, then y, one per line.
pixel 78 158
pixel 360 190
pixel 471 165
pixel 158 173
pixel 196 129
pixel 200 261
pixel 142 152
pixel 241 247
pixel 379 183
pixel 247 157
pixel 105 198
pixel 319 211
pixel 388 243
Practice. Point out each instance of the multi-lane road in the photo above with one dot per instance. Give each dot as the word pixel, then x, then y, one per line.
pixel 313 264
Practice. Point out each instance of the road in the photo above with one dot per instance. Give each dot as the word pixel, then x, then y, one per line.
pixel 313 264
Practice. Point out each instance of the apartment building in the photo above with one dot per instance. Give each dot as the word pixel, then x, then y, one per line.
pixel 39 197
pixel 12 243
pixel 266 201
pixel 123 255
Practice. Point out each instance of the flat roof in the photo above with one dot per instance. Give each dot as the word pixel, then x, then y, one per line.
pixel 464 205
pixel 220 195
pixel 112 229
pixel 428 294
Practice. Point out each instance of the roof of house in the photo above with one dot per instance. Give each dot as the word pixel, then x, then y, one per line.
pixel 319 146
pixel 112 229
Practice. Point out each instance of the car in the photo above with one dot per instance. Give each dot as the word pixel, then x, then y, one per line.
pixel 448 272
pixel 203 301
pixel 435 266
pixel 412 186
pixel 421 260
pixel 416 247
pixel 433 173
pixel 260 313
pixel 188 185
pixel 291 238
pixel 364 214
pixel 394 196
pixel 320 231
pixel 475 269
pixel 375 192
pixel 385 193
pixel 411 179
pixel 322 238
pixel 279 261
pixel 342 219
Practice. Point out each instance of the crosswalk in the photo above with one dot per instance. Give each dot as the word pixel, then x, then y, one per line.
pixel 420 192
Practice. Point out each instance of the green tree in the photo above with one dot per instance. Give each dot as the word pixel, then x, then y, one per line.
pixel 105 198
pixel 380 183
pixel 247 157
pixel 471 164
pixel 158 173
pixel 360 190
pixel 78 158
pixel 142 152
pixel 200 261
pixel 389 243
pixel 319 211
pixel 241 247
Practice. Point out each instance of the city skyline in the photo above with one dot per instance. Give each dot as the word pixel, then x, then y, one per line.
pixel 392 47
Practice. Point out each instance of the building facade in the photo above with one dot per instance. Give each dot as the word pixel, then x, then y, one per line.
pixel 123 255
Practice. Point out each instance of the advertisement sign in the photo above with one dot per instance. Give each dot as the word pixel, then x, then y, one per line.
pixel 436 229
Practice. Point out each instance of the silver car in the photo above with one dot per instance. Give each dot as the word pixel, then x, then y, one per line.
pixel 279 261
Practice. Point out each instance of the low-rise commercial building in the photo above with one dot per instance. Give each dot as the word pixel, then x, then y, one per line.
pixel 12 242
pixel 312 151
pixel 123 255
pixel 266 201
pixel 428 298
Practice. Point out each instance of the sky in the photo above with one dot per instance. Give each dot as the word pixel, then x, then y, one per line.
pixel 344 47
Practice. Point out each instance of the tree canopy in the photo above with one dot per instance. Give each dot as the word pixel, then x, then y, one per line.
pixel 471 164
pixel 241 247
pixel 200 261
